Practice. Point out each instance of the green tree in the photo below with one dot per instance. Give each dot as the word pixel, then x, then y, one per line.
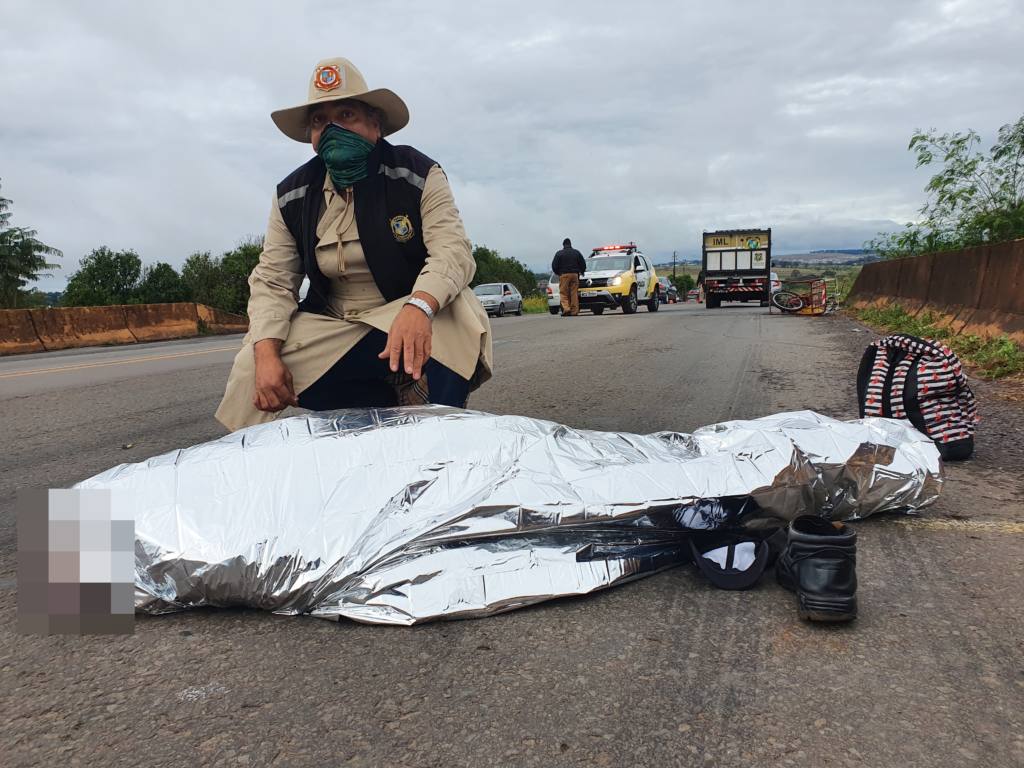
pixel 236 266
pixel 104 277
pixel 201 275
pixel 975 198
pixel 33 298
pixel 23 259
pixel 683 282
pixel 222 282
pixel 161 284
pixel 492 267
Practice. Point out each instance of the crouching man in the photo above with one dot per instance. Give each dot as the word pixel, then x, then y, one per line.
pixel 389 318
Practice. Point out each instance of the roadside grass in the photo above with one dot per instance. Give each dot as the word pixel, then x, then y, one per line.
pixel 846 279
pixel 990 358
pixel 533 305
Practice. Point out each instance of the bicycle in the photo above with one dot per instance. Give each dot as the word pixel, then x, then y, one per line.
pixel 787 301
pixel 817 299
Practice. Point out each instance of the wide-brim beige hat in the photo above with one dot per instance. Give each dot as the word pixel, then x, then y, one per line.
pixel 333 80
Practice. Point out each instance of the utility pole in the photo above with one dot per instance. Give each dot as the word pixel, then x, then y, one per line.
pixel 673 265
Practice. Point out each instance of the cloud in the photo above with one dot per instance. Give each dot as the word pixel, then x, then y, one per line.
pixel 147 126
pixel 954 20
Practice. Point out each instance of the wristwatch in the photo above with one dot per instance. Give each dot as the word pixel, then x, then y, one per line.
pixel 421 304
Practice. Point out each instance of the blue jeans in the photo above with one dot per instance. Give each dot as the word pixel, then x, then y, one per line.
pixel 358 381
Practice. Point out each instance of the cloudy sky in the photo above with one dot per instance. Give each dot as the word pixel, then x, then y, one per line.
pixel 146 125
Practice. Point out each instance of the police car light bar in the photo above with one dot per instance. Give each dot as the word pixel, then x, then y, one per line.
pixel 615 247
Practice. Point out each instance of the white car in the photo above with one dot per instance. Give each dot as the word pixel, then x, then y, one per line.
pixel 554 299
pixel 500 299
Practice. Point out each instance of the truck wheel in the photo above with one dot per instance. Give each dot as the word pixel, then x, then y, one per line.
pixel 630 304
pixel 712 302
pixel 553 310
pixel 654 303
pixel 597 310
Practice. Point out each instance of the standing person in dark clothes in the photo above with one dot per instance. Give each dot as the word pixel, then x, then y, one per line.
pixel 569 265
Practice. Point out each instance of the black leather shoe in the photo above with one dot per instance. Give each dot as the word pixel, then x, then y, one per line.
pixel 819 563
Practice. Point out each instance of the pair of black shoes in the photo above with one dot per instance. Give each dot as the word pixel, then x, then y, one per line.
pixel 814 557
pixel 819 563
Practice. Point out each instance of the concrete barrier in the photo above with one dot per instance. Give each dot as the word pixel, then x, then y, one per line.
pixel 976 290
pixel 156 322
pixel 53 326
pixel 878 278
pixel 218 321
pixel 95 326
pixel 992 322
pixel 38 330
pixel 17 333
pixel 957 278
pixel 913 280
pixel 953 318
pixel 68 327
pixel 1003 287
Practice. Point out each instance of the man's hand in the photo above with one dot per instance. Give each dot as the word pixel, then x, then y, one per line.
pixel 410 338
pixel 274 388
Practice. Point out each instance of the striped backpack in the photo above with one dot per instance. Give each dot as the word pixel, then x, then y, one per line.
pixel 906 377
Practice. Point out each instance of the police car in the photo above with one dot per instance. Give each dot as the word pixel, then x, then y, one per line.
pixel 619 276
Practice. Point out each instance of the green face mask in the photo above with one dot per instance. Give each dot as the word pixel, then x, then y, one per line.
pixel 344 153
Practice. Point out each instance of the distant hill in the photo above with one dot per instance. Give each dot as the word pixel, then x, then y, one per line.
pixel 838 256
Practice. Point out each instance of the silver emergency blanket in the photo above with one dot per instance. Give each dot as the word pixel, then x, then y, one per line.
pixel 405 515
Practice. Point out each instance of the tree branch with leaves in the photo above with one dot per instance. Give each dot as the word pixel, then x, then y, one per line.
pixel 975 198
pixel 23 259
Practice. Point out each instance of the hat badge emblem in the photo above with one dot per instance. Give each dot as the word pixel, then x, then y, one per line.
pixel 327 78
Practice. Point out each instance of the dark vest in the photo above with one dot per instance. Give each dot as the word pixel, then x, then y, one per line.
pixel 387 213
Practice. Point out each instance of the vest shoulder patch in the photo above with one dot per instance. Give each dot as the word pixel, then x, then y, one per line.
pixel 405 163
pixel 406 174
pixel 294 194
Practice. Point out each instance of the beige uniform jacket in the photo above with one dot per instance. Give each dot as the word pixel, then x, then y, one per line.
pixel 313 343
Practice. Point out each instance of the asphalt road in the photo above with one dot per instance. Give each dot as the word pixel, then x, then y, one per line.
pixel 74 369
pixel 665 671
